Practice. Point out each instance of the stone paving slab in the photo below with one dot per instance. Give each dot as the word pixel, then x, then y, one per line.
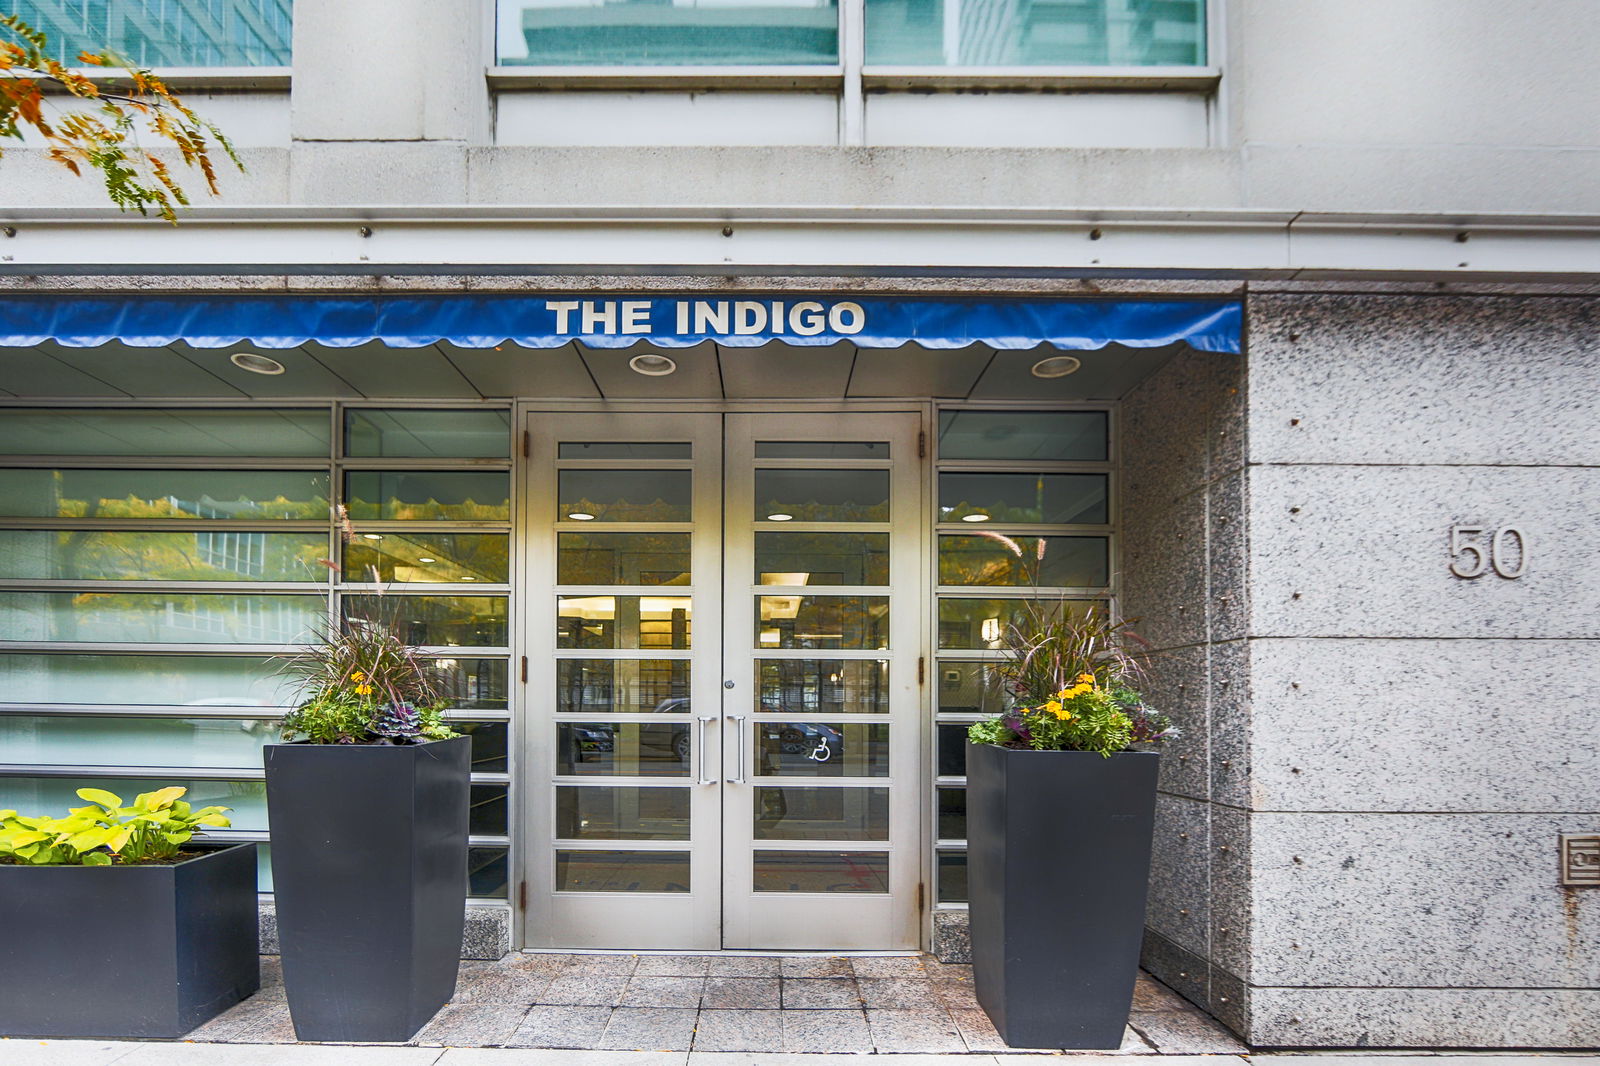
pixel 683 1004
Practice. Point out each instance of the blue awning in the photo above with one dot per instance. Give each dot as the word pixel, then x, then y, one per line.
pixel 616 321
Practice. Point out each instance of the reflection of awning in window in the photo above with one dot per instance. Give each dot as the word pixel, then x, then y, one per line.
pixel 284 322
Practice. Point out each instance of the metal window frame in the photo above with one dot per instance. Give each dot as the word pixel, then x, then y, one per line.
pixel 1112 529
pixel 334 465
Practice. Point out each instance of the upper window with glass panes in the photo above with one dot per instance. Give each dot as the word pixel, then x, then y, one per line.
pixel 165 33
pixel 942 33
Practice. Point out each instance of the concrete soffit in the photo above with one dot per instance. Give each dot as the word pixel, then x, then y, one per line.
pixel 808 241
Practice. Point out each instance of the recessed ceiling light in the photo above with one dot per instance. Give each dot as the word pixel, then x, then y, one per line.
pixel 1056 366
pixel 581 516
pixel 653 364
pixel 469 577
pixel 780 517
pixel 256 364
pixel 425 559
pixel 974 518
pixel 373 536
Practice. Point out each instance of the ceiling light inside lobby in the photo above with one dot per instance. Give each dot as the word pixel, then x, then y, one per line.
pixel 653 364
pixel 256 364
pixel 1056 366
pixel 780 517
pixel 581 516
pixel 974 518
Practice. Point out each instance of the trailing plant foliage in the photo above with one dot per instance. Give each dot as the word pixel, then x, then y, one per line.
pixel 104 134
pixel 105 832
pixel 1071 680
pixel 359 683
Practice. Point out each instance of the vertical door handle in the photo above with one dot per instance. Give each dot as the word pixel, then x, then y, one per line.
pixel 738 749
pixel 700 749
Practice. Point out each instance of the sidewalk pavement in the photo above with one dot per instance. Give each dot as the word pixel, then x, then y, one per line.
pixel 21 1052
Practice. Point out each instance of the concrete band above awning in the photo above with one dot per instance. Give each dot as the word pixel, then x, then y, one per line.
pixel 617 321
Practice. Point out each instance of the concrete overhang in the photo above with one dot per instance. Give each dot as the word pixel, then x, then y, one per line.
pixel 801 241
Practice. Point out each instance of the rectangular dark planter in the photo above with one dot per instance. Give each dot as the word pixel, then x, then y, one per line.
pixel 1058 858
pixel 127 951
pixel 369 866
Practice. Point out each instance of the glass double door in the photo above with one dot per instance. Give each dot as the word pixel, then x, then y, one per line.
pixel 721 717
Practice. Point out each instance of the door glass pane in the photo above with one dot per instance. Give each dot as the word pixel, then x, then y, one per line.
pixel 622 621
pixel 822 813
pixel 210 431
pixel 965 623
pixel 1057 436
pixel 486 873
pixel 143 680
pixel 952 756
pixel 456 621
pixel 624 496
pixel 426 557
pixel 642 33
pixel 622 871
pixel 472 684
pixel 1077 562
pixel 1051 499
pixel 822 622
pixel 429 495
pixel 822 495
pixel 822 749
pixel 821 871
pixel 822 686
pixel 103 555
pixel 624 450
pixel 415 434
pixel 1084 33
pixel 159 617
pixel 971 688
pixel 622 558
pixel 490 744
pixel 821 449
pixel 55 795
pixel 626 749
pixel 263 495
pixel 822 558
pixel 622 686
pixel 627 813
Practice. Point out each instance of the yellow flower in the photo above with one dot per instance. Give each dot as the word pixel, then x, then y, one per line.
pixel 1064 715
pixel 1087 679
pixel 358 676
pixel 1053 707
pixel 363 690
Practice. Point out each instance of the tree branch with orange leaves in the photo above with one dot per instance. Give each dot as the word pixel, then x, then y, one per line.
pixel 104 134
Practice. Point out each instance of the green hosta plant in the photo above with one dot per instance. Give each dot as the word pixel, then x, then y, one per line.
pixel 151 829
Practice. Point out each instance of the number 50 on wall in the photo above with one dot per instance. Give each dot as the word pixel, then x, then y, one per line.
pixel 1475 550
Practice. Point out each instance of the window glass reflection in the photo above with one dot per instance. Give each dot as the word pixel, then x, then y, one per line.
pixel 996 559
pixel 471 684
pixel 971 688
pixel 822 749
pixel 984 33
pixel 822 813
pixel 429 495
pixel 952 814
pixel 822 622
pixel 822 558
pixel 822 686
pixel 1059 436
pixel 587 812
pixel 625 749
pixel 624 450
pixel 691 33
pixel 822 495
pixel 158 555
pixel 624 496
pixel 972 623
pixel 159 617
pixel 84 740
pixel 622 559
pixel 1050 499
pixel 623 621
pixel 821 871
pixel 822 449
pixel 266 495
pixel 54 796
pixel 404 433
pixel 150 680
pixel 257 432
pixel 622 686
pixel 622 871
pixel 427 557
pixel 458 621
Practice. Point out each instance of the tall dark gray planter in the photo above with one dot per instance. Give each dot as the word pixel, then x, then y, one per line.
pixel 369 866
pixel 127 951
pixel 1058 857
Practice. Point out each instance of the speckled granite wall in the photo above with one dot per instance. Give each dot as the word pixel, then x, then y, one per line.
pixel 1183 577
pixel 1418 741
